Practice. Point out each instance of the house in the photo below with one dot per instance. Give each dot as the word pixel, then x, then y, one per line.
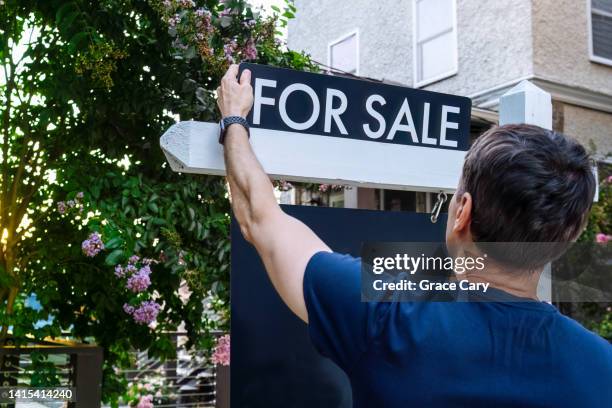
pixel 474 48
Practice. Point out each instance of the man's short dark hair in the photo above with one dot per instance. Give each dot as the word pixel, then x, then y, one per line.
pixel 528 184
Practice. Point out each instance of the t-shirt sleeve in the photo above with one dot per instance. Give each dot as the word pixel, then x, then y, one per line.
pixel 340 325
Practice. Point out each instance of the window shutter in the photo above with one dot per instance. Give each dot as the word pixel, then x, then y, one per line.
pixel 601 25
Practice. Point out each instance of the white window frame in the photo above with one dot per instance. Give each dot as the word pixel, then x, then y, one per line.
pixel 339 40
pixel 592 56
pixel 415 53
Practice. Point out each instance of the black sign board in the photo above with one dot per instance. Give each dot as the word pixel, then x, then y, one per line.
pixel 273 363
pixel 303 102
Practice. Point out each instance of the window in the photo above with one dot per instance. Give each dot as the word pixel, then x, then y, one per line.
pixel 396 200
pixel 336 199
pixel 434 40
pixel 343 54
pixel 600 31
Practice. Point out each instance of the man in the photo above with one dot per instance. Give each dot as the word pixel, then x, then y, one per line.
pixel 519 184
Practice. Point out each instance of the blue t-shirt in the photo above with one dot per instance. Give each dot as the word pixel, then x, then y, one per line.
pixel 452 354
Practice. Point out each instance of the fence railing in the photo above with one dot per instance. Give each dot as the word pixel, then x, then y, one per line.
pixel 190 380
pixel 75 365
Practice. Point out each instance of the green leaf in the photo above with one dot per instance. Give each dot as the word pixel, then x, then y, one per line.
pixel 67 22
pixel 153 207
pixel 158 221
pixel 76 40
pixel 115 257
pixel 114 243
pixel 62 11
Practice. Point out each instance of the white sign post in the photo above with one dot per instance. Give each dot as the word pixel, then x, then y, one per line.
pixel 526 103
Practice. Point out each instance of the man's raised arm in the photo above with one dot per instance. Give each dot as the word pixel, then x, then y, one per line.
pixel 284 243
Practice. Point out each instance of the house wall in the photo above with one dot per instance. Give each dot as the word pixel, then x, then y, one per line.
pixel 494 44
pixel 494 39
pixel 385 46
pixel 561 46
pixel 592 128
pixel 561 55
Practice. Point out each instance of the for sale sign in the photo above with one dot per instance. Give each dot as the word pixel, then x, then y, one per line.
pixel 329 129
pixel 299 102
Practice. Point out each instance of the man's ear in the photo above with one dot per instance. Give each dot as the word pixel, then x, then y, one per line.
pixel 463 214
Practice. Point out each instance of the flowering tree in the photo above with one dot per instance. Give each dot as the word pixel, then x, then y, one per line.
pixel 100 239
pixel 599 229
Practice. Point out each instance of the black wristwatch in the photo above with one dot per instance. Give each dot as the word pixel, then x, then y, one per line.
pixel 225 123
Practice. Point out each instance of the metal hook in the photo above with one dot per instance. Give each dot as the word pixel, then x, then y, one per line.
pixel 435 212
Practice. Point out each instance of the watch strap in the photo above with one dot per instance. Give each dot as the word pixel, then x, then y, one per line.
pixel 227 121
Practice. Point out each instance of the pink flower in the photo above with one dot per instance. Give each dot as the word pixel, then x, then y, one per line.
pixel 285 185
pixel 187 3
pixel 146 401
pixel 602 238
pixel 204 23
pixel 140 281
pixel 178 44
pixel 250 52
pixel 92 245
pixel 174 20
pixel 229 49
pixel 129 309
pixel 221 353
pixel 146 313
pixel 119 271
pixel 249 23
pixel 61 207
pixel 201 12
pixel 323 187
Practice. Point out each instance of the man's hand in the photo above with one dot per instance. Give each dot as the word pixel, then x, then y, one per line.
pixel 235 98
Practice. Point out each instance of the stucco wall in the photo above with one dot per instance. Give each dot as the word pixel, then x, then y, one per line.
pixel 385 46
pixel 592 128
pixel 561 48
pixel 494 39
pixel 494 44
